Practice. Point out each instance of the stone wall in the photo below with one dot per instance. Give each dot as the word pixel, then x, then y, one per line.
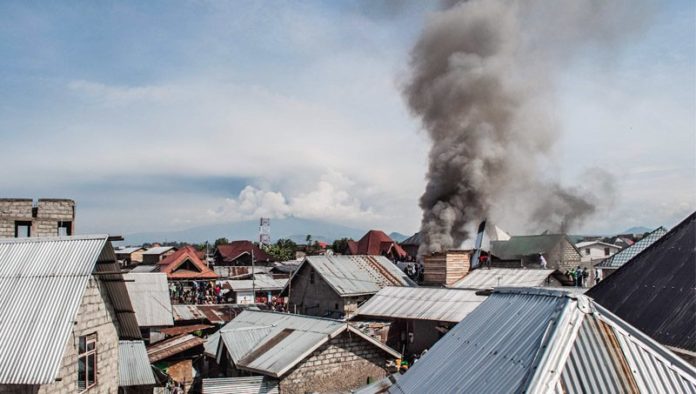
pixel 345 362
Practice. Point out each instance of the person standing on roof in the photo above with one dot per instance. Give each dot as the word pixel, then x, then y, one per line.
pixel 542 261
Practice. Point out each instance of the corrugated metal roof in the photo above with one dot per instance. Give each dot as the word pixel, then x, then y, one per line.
pixel 620 258
pixel 421 303
pixel 143 268
pixel 133 365
pixel 542 340
pixel 272 343
pixel 127 250
pixel 215 314
pixel 169 347
pixel 357 275
pixel 242 385
pixel 519 246
pixel 158 250
pixel 656 290
pixel 41 285
pixel 261 283
pixel 485 278
pixel 149 294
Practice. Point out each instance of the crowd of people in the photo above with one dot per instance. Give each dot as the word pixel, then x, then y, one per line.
pixel 198 292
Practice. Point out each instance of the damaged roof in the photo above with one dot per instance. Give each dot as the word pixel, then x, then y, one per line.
pixel 656 290
pixel 271 343
pixel 356 275
pixel 421 303
pixel 172 346
pixel 542 341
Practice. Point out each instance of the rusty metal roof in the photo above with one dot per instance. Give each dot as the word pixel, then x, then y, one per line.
pixel 172 346
pixel 543 341
pixel 173 331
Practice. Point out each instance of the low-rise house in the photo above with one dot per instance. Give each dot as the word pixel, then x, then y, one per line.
pixel 655 291
pixel 156 254
pixel 48 217
pixel 263 289
pixel 64 308
pixel 130 255
pixel 593 251
pixel 377 243
pixel 304 354
pixel 489 278
pixel 334 286
pixel 522 251
pixel 149 294
pixel 544 341
pixel 185 265
pixel 607 266
pixel 419 316
pixel 240 253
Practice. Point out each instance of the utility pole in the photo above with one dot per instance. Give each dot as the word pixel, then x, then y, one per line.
pixel 253 278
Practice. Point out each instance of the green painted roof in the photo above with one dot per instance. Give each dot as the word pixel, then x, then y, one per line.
pixel 525 245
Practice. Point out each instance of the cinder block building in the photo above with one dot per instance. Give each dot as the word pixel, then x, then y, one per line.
pixel 303 354
pixel 48 217
pixel 64 309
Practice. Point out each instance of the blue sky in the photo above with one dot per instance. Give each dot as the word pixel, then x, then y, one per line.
pixel 165 115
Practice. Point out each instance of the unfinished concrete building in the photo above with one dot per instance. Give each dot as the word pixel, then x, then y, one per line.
pixel 47 217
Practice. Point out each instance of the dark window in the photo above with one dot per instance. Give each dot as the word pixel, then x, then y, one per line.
pixel 336 306
pixel 87 362
pixel 64 229
pixel 311 276
pixel 606 251
pixel 22 229
pixel 587 251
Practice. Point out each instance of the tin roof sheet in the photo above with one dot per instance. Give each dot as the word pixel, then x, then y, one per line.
pixel 143 268
pixel 241 385
pixel 41 285
pixel 127 250
pixel 272 343
pixel 169 347
pixel 484 278
pixel 149 294
pixel 158 250
pixel 620 258
pixel 421 303
pixel 261 283
pixel 542 340
pixel 133 365
pixel 356 275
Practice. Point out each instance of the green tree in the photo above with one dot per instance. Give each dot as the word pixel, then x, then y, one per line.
pixel 340 246
pixel 221 241
pixel 283 249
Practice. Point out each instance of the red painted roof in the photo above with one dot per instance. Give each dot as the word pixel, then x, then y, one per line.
pixel 188 253
pixel 376 242
pixel 235 249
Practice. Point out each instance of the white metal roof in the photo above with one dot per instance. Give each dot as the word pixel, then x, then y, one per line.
pixel 149 294
pixel 127 250
pixel 422 303
pixel 133 365
pixel 285 340
pixel 484 278
pixel 543 341
pixel 143 268
pixel 41 285
pixel 357 275
pixel 261 283
pixel 241 385
pixel 580 245
pixel 158 250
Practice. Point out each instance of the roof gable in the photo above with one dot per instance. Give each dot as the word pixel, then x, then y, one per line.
pixel 656 290
pixel 376 243
pixel 37 327
pixel 237 249
pixel 185 264
pixel 518 340
pixel 621 257
pixel 356 275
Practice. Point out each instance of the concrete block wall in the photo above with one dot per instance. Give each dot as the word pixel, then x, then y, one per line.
pixel 343 363
pixel 44 224
pixel 12 209
pixel 96 315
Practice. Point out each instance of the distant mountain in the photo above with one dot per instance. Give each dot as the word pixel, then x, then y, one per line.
pixel 291 227
pixel 637 230
pixel 398 237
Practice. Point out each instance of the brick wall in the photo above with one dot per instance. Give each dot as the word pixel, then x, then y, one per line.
pixel 341 364
pixel 95 315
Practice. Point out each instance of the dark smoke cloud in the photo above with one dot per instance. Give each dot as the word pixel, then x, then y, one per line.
pixel 481 83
